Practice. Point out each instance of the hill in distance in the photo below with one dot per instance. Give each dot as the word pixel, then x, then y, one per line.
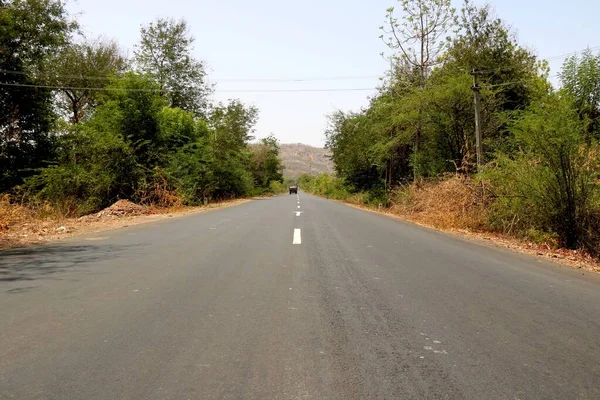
pixel 304 159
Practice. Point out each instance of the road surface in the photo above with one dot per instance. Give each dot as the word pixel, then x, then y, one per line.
pixel 292 297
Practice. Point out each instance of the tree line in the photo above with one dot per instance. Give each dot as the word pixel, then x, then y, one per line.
pixel 81 125
pixel 540 166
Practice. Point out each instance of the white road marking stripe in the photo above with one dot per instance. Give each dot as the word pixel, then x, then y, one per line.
pixel 298 206
pixel 298 213
pixel 297 237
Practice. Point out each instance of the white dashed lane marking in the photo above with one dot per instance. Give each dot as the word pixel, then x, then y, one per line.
pixel 297 237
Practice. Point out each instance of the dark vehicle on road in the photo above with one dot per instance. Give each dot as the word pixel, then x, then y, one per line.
pixel 293 189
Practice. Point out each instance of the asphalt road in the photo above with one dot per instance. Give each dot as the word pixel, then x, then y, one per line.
pixel 273 299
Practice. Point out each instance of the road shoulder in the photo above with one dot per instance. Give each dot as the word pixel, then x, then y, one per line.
pixel 53 230
pixel 561 257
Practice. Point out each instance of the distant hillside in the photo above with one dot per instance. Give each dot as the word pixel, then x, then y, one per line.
pixel 303 159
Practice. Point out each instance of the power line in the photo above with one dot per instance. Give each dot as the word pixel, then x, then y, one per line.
pixel 82 77
pixel 264 80
pixel 512 83
pixel 295 90
pixel 74 88
pixel 158 90
pixel 233 80
pixel 309 79
pixel 571 53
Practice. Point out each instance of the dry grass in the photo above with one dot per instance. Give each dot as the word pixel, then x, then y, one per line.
pixel 453 203
pixel 456 205
pixel 22 226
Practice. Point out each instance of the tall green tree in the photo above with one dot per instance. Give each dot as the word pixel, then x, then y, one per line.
pixel 231 129
pixel 81 70
pixel 132 107
pixel 266 166
pixel 232 126
pixel 30 31
pixel 165 53
pixel 486 44
pixel 418 39
pixel 580 77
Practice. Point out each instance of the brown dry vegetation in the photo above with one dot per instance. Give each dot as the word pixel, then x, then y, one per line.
pixel 454 203
pixel 458 204
pixel 22 225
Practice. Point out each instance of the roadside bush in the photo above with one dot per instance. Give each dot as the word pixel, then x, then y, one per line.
pixel 551 184
pixel 277 187
pixel 330 187
pixel 94 169
pixel 454 202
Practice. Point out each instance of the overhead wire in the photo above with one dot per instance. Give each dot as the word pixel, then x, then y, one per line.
pixel 158 90
pixel 260 80
pixel 244 80
pixel 511 83
pixel 573 53
pixel 216 80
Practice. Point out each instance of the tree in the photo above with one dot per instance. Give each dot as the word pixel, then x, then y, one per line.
pixel 94 167
pixel 419 37
pixel 551 183
pixel 232 126
pixel 580 77
pixel 266 166
pixel 164 52
pixel 81 69
pixel 486 44
pixel 30 31
pixel 132 108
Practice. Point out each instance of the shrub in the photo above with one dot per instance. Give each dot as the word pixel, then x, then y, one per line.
pixel 95 168
pixel 455 202
pixel 550 185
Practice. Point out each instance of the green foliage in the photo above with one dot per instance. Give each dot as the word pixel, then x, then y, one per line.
pixel 486 44
pixel 550 185
pixel 580 78
pixel 540 147
pixel 81 69
pixel 132 109
pixel 94 168
pixel 30 31
pixel 164 52
pixel 232 126
pixel 419 36
pixel 147 135
pixel 190 166
pixel 350 137
pixel 135 146
pixel 265 164
pixel 277 187
pixel 324 185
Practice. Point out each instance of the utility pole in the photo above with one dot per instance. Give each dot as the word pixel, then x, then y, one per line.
pixel 478 139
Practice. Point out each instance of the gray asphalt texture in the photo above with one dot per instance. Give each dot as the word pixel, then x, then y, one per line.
pixel 222 305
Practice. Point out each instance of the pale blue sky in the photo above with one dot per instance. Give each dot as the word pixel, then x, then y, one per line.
pixel 269 39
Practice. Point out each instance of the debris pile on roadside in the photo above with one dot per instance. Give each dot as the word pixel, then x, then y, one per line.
pixel 122 208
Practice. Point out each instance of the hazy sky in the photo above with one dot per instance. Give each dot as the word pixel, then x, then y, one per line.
pixel 281 39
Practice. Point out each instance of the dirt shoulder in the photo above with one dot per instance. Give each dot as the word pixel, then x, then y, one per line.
pixel 571 258
pixel 28 230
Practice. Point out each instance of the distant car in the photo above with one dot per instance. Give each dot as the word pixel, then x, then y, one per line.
pixel 294 189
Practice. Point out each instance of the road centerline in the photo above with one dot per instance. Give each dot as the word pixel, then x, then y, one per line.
pixel 297 237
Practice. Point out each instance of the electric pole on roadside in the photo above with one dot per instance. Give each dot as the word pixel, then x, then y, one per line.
pixel 478 138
